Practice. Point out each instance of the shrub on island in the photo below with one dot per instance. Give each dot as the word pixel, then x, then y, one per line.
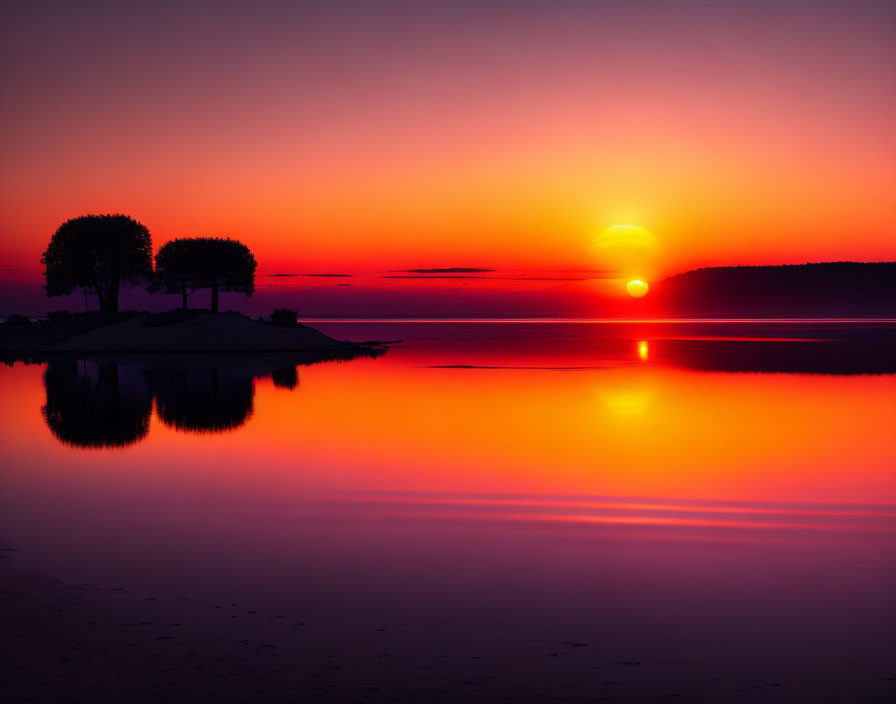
pixel 285 317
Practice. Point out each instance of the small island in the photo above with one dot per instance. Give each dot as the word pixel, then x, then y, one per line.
pixel 99 253
pixel 174 331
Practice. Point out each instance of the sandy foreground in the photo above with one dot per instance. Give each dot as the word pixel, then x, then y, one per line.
pixel 83 642
pixel 86 642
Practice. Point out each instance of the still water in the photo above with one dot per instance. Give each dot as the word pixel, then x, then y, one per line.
pixel 584 511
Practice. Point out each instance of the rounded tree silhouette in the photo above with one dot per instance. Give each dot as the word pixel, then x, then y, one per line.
pixel 186 264
pixel 97 253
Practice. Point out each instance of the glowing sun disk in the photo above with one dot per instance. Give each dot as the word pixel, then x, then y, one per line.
pixel 637 288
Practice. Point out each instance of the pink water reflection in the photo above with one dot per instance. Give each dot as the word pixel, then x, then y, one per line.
pixel 697 520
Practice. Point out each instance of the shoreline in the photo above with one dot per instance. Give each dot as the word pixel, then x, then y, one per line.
pixel 671 319
pixel 175 332
pixel 109 643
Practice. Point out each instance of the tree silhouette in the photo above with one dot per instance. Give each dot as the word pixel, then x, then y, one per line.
pixel 97 253
pixel 178 267
pixel 186 264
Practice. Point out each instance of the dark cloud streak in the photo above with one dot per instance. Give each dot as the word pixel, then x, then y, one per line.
pixel 336 276
pixel 449 270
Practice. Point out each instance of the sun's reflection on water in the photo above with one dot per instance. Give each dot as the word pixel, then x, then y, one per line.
pixel 643 350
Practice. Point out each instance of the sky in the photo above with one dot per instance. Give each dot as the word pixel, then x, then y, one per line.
pixel 375 138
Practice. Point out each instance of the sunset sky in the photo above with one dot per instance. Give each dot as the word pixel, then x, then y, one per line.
pixel 368 138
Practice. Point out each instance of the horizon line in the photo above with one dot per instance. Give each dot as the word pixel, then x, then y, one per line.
pixel 561 319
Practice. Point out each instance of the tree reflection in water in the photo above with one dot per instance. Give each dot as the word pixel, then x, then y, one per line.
pixel 204 400
pixel 286 377
pixel 107 404
pixel 96 405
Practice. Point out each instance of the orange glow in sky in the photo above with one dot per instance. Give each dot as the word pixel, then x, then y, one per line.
pixel 494 137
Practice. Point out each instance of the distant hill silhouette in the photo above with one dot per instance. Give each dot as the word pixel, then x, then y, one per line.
pixel 831 288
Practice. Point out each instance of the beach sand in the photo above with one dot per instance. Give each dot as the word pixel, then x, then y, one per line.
pixel 86 643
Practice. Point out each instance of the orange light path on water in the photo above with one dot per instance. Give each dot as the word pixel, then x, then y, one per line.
pixel 642 430
pixel 682 443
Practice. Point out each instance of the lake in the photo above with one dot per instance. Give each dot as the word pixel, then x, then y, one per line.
pixel 547 511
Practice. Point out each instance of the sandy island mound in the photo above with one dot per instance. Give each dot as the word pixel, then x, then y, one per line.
pixel 175 331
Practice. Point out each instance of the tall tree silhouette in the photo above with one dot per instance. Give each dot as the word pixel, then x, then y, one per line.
pixel 98 253
pixel 186 264
pixel 178 267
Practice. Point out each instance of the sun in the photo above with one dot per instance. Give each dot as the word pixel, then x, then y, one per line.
pixel 637 288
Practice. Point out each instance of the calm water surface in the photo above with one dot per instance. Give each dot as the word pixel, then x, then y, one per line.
pixel 709 515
